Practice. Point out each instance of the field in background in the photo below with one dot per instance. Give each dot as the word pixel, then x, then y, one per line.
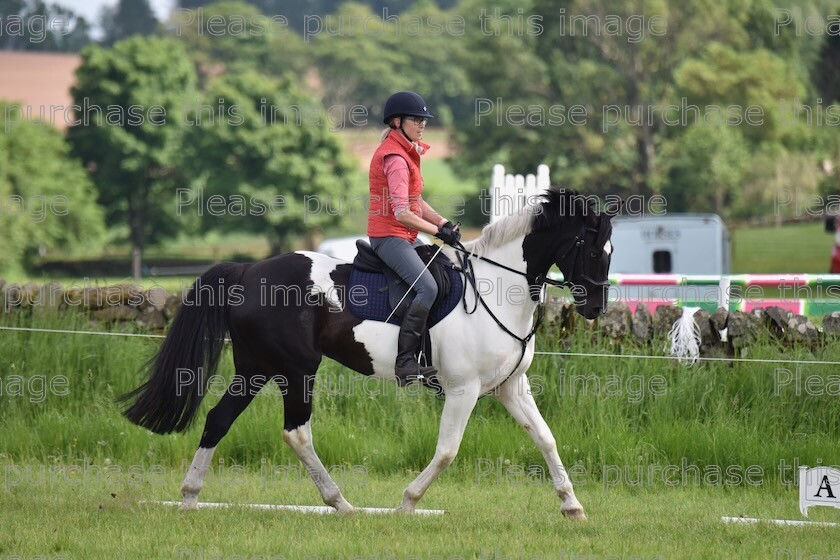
pixel 790 248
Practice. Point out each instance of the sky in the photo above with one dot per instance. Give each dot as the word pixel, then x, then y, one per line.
pixel 90 8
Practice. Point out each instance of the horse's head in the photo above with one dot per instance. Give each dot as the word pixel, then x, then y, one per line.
pixel 568 231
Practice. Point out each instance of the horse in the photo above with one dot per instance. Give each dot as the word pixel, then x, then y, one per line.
pixel 480 351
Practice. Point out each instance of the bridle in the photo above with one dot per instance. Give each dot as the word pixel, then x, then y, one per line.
pixel 535 286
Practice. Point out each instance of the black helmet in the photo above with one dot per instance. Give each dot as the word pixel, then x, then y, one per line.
pixel 405 103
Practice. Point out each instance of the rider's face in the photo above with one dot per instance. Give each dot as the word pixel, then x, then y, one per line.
pixel 413 127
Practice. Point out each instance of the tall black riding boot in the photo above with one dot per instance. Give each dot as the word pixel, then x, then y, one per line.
pixel 408 369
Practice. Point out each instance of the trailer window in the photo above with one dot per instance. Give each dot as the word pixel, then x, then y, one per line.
pixel 662 261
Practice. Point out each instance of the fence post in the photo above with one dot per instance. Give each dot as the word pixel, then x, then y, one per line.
pixel 543 177
pixel 510 193
pixel 496 188
pixel 723 293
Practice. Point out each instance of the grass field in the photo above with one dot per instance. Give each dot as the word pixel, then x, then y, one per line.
pixel 790 248
pixel 74 469
pixel 97 518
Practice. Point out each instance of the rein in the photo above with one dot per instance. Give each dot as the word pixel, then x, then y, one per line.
pixel 466 268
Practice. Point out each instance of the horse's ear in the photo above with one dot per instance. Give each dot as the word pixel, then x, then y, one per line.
pixel 612 209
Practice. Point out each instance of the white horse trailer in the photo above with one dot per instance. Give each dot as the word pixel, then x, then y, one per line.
pixel 675 244
pixel 670 244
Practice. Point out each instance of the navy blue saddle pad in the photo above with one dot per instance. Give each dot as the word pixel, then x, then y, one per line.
pixel 368 298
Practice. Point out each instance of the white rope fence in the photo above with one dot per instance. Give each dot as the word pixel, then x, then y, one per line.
pixel 564 354
pixel 101 333
pixel 678 358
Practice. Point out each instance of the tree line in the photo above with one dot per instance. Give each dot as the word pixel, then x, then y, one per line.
pixel 720 107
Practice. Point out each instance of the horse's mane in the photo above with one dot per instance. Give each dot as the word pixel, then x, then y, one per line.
pixel 547 212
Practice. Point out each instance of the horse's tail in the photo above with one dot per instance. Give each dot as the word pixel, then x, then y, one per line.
pixel 178 373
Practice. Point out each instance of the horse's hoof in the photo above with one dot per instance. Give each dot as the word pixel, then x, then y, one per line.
pixel 404 510
pixel 189 505
pixel 575 514
pixel 345 509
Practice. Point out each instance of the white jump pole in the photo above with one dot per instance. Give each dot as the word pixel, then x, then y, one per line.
pixel 320 510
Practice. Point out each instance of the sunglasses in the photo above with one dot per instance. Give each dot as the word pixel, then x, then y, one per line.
pixel 419 121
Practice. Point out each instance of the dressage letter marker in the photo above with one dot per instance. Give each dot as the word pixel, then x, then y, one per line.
pixel 819 486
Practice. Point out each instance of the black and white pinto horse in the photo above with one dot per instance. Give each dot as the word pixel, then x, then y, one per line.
pixel 483 350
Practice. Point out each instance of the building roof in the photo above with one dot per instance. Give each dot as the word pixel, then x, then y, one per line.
pixel 38 81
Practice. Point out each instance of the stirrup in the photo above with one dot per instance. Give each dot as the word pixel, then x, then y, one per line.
pixel 419 374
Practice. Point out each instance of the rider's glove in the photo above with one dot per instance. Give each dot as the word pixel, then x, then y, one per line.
pixel 448 234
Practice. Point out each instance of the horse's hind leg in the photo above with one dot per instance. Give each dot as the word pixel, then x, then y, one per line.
pixel 515 395
pixel 297 433
pixel 238 396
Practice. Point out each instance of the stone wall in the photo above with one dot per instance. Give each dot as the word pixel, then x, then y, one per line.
pixel 152 309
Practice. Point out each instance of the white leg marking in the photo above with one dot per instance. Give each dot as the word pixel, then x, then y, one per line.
pixel 300 440
pixel 516 396
pixel 195 477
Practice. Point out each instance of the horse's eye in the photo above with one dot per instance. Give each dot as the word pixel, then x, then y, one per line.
pixel 593 254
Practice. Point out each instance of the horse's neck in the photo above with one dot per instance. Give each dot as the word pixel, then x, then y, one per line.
pixel 515 301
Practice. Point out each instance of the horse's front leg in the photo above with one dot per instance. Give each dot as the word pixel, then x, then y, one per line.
pixel 515 395
pixel 460 402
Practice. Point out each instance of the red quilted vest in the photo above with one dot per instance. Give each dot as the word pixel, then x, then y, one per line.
pixel 381 220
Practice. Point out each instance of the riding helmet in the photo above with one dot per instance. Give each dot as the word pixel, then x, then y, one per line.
pixel 405 103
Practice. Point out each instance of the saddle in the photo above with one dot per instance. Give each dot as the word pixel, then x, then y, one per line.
pixel 375 290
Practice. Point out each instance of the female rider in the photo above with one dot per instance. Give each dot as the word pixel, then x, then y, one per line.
pixel 397 213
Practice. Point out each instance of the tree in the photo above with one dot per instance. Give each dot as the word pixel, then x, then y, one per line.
pixel 586 55
pixel 249 40
pixel 362 65
pixel 706 170
pixel 826 73
pixel 33 25
pixel 369 59
pixel 297 11
pixel 129 17
pixel 131 134
pixel 782 142
pixel 267 155
pixel 723 76
pixel 47 200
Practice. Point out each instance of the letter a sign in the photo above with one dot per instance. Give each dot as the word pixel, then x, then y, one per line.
pixel 819 486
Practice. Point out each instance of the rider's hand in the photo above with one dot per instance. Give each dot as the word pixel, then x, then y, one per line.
pixel 449 234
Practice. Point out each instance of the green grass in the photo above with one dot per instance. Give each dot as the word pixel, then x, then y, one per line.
pixel 440 181
pixel 74 469
pixel 652 412
pixel 90 516
pixel 793 248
